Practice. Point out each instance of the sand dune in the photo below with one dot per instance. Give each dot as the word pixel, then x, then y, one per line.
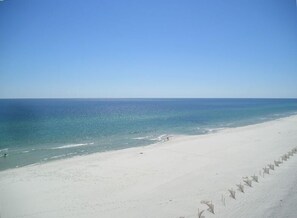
pixel 220 173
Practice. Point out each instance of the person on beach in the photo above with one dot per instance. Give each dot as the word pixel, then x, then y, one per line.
pixel 4 155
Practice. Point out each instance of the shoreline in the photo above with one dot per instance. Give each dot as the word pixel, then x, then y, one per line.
pixel 168 179
pixel 72 154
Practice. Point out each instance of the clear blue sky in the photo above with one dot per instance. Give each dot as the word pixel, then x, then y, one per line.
pixel 153 48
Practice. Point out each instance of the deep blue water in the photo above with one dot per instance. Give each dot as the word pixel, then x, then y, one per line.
pixel 38 130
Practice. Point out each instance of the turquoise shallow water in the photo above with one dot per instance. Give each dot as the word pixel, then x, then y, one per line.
pixel 40 130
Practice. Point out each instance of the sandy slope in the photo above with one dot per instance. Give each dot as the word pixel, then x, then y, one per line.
pixel 164 180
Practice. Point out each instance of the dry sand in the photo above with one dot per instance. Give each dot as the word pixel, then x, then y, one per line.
pixel 164 180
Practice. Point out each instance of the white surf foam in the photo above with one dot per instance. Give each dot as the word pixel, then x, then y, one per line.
pixel 57 156
pixel 160 138
pixel 73 145
pixel 4 149
pixel 141 138
pixel 213 130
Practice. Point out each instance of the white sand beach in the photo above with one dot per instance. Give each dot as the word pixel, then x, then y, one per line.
pixel 164 180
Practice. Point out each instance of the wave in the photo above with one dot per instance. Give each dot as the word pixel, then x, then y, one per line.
pixel 4 149
pixel 73 145
pixel 141 138
pixel 212 130
pixel 160 138
pixel 58 156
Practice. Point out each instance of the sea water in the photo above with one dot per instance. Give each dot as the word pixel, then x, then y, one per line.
pixel 38 130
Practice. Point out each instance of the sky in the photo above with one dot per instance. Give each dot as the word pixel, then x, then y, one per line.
pixel 148 49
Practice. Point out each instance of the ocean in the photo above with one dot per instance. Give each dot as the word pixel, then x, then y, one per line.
pixel 33 131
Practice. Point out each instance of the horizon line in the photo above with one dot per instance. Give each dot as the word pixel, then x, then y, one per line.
pixel 123 98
